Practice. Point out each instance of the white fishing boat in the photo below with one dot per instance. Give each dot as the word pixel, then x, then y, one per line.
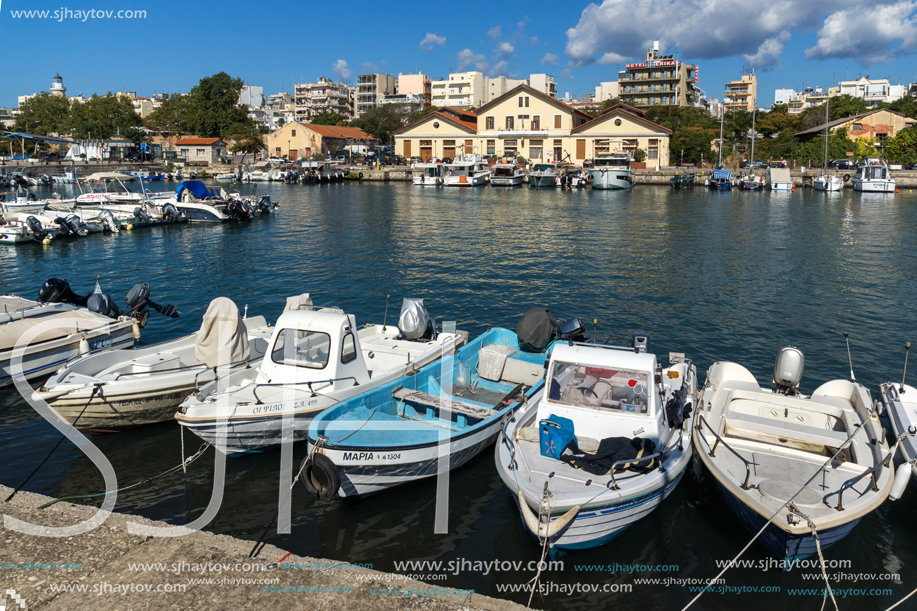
pixel 67 178
pixel 226 177
pixel 316 358
pixel 63 224
pixel 21 232
pixel 507 173
pixel 612 171
pixel 543 175
pixel 429 174
pixel 779 179
pixel 752 182
pixel 106 187
pixel 873 176
pixel 466 170
pixel 603 446
pixel 899 404
pixel 114 391
pixel 200 204
pixel 827 182
pixel 791 464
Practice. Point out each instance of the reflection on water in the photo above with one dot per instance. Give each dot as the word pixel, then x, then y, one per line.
pixel 720 276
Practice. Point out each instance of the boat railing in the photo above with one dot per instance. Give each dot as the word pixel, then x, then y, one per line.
pixel 719 440
pixel 185 368
pixel 872 471
pixel 294 384
pixel 613 485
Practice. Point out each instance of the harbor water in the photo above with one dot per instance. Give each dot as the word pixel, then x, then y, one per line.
pixel 716 275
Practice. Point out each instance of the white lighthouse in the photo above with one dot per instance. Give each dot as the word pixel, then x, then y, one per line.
pixel 57 87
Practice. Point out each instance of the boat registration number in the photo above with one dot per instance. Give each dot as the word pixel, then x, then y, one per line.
pixel 360 456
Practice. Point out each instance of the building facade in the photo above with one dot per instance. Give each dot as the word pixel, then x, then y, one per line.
pixel 324 96
pixel 252 96
pixel 742 94
pixel 661 80
pixel 873 91
pixel 369 88
pixel 877 125
pixel 297 140
pixel 543 83
pixel 461 90
pixel 201 151
pixel 416 84
pixel 605 91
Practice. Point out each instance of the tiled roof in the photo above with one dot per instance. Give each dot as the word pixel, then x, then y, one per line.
pixel 619 109
pixel 471 123
pixel 333 131
pixel 197 141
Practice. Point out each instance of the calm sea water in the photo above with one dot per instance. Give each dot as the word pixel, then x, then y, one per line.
pixel 719 276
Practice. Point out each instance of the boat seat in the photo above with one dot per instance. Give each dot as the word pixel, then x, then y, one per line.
pixel 422 398
pixel 737 422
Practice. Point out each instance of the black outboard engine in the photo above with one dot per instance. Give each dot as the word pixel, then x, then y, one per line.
pixel 35 229
pixel 171 214
pixel 56 290
pixel 140 213
pixel 75 225
pixel 265 205
pixel 138 298
pixel 104 305
pixel 108 219
pixel 250 207
pixel 45 180
pixel 573 330
pixel 237 211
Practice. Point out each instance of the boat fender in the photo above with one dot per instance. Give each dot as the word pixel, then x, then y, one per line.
pixel 330 474
pixel 545 530
pixel 361 175
pixel 846 177
pixel 902 475
pixel 84 345
pixel 136 329
pixel 129 226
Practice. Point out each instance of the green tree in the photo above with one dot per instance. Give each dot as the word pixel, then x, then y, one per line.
pixel 423 113
pixel 326 118
pixel 906 106
pixel 246 143
pixel 639 155
pixel 213 106
pixel 381 121
pixel 104 116
pixel 695 142
pixel 44 114
pixel 171 116
pixel 902 148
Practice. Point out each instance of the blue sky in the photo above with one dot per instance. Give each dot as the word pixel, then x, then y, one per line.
pixel 791 43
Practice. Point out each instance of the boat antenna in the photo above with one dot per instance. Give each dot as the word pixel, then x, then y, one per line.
pixel 595 322
pixel 849 359
pixel 385 318
pixel 341 298
pixel 907 349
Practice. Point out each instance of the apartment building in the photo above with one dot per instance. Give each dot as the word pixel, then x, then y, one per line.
pixel 605 91
pixel 323 96
pixel 741 94
pixel 873 91
pixel 416 84
pixel 660 80
pixel 369 89
pixel 461 90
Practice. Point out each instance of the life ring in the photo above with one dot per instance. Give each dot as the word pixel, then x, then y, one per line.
pixel 846 177
pixel 361 175
pixel 330 473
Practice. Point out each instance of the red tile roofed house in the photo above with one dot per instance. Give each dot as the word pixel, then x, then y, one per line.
pixel 622 128
pixel 201 151
pixel 439 134
pixel 297 140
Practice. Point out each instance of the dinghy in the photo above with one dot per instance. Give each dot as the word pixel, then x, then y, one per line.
pixel 114 391
pixel 798 464
pixel 316 358
pixel 602 446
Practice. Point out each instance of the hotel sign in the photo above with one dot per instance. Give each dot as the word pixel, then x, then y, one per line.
pixel 668 62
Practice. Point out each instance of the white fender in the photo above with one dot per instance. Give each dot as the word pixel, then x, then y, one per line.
pixel 545 530
pixel 902 475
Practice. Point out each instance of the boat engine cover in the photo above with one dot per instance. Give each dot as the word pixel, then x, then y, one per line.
pixel 536 329
pixel 788 367
pixel 414 321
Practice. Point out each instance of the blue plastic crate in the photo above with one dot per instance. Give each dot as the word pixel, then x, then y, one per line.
pixel 555 433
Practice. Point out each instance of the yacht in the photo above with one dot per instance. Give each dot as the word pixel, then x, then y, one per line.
pixel 612 171
pixel 429 174
pixel 543 175
pixel 466 170
pixel 873 176
pixel 507 173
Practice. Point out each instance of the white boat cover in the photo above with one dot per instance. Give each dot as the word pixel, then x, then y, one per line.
pixel 298 302
pixel 414 318
pixel 11 303
pixel 223 338
pixel 80 320
pixel 780 175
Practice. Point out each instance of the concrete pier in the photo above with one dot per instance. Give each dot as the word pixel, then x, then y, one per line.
pixel 109 568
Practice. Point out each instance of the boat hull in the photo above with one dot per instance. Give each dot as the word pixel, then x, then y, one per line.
pixel 874 186
pixel 616 178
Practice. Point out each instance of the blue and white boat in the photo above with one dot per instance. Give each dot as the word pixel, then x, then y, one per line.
pixel 416 427
pixel 602 446
pixel 808 464
pixel 721 180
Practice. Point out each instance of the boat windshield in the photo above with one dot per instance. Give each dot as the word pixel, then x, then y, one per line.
pixel 301 348
pixel 543 167
pixel 608 162
pixel 433 171
pixel 603 388
pixel 504 170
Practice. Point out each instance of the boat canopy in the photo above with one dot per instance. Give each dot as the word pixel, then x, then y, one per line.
pixel 780 175
pixel 722 175
pixel 195 188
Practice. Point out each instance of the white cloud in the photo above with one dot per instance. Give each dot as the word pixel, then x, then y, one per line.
pixel 431 40
pixel 565 73
pixel 467 57
pixel 611 58
pixel 549 59
pixel 341 68
pixel 621 29
pixel 494 32
pixel 534 40
pixel 877 35
pixel 368 66
pixel 504 51
pixel 768 54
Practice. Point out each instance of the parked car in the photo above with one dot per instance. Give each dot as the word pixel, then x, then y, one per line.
pixel 911 166
pixel 140 156
pixel 51 157
pixel 754 165
pixel 588 163
pixel 842 164
pixel 276 159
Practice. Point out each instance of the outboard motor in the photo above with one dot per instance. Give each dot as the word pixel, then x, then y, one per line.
pixel 536 329
pixel 36 230
pixel 104 305
pixel 237 211
pixel 572 330
pixel 46 180
pixel 138 298
pixel 265 205
pixel 75 225
pixel 56 290
pixel 641 342
pixel 140 213
pixel 788 368
pixel 250 207
pixel 108 219
pixel 415 322
pixel 171 214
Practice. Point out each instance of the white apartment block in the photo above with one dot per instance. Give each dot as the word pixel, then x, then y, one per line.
pixel 324 96
pixel 605 91
pixel 370 88
pixel 873 91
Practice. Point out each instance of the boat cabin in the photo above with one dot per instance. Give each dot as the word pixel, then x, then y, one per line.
pixel 873 168
pixel 614 160
pixel 605 391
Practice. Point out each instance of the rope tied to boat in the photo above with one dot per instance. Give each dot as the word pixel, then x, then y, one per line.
pixel 792 509
pixel 544 512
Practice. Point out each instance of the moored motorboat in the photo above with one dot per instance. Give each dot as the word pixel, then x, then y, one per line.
pixel 506 173
pixel 612 171
pixel 429 174
pixel 114 391
pixel 779 179
pixel 466 170
pixel 413 428
pixel 22 202
pixel 873 176
pixel 899 405
pixel 315 359
pixel 606 442
pixel 792 466
pixel 543 175
pixel 827 182
pixel 720 180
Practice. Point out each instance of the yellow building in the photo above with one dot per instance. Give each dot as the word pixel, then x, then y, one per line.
pixel 741 94
pixel 439 134
pixel 877 124
pixel 300 140
pixel 622 128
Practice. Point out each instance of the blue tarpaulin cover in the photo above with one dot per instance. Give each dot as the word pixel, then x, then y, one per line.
pixel 722 175
pixel 196 188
